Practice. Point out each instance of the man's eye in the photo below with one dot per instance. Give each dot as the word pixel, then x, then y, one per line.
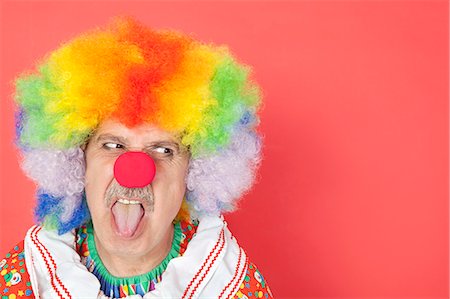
pixel 111 145
pixel 163 150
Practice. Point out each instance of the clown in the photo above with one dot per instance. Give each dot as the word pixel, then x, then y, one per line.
pixel 138 141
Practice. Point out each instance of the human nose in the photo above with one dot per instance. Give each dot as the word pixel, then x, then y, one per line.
pixel 134 169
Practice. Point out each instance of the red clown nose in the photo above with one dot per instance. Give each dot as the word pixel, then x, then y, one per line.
pixel 134 170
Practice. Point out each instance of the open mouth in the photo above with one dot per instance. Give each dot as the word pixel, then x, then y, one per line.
pixel 127 215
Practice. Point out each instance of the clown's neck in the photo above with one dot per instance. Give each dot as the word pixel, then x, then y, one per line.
pixel 132 265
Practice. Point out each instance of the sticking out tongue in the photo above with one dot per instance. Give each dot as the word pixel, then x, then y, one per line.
pixel 127 217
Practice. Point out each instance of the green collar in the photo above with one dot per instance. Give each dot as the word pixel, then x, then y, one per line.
pixel 153 275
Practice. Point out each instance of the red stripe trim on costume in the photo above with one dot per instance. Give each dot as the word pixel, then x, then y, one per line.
pixel 235 273
pixel 209 267
pixel 47 256
pixel 240 278
pixel 54 268
pixel 45 261
pixel 220 240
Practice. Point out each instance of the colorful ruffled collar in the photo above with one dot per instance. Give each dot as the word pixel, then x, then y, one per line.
pixel 117 287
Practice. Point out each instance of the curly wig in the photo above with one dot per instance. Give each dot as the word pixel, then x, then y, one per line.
pixel 134 74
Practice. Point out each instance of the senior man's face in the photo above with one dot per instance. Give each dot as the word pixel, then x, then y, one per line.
pixel 136 227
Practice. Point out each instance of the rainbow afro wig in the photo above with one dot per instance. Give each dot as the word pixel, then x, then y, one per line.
pixel 137 75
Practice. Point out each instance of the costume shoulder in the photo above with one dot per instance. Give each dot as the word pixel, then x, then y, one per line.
pixel 254 285
pixel 15 281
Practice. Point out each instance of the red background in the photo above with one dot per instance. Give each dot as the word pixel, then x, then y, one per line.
pixel 352 196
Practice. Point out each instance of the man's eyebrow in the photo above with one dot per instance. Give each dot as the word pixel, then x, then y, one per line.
pixel 123 141
pixel 110 137
pixel 164 143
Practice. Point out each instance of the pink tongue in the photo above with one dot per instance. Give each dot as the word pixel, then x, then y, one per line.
pixel 127 218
